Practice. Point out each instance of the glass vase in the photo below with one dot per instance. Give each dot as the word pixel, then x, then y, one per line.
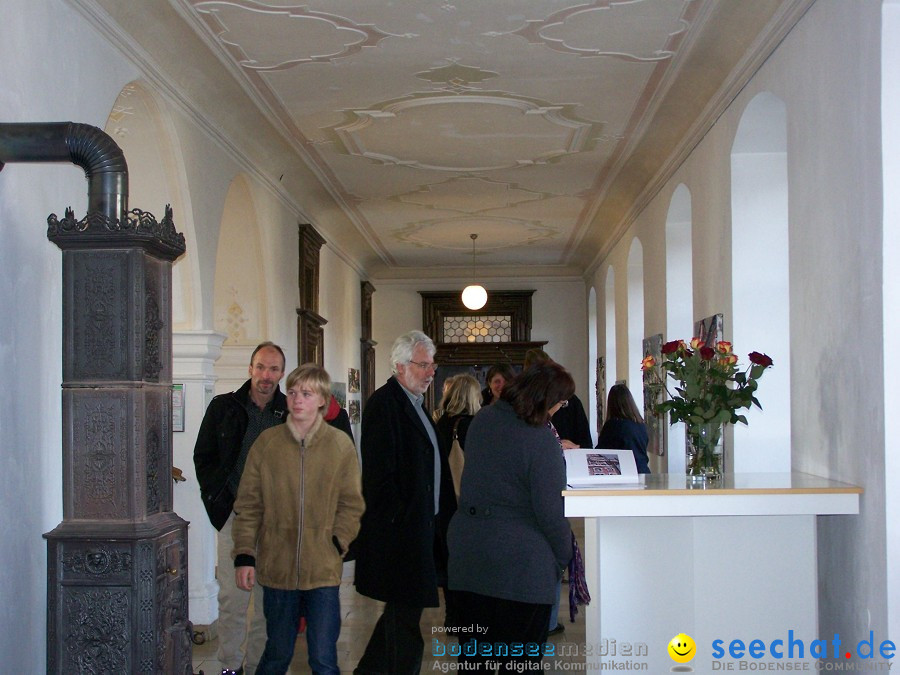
pixel 704 457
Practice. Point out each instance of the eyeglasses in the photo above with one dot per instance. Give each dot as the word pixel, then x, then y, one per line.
pixel 426 366
pixel 563 404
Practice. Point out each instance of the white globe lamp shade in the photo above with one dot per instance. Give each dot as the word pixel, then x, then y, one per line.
pixel 474 297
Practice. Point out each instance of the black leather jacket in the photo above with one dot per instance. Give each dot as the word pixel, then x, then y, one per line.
pixel 219 445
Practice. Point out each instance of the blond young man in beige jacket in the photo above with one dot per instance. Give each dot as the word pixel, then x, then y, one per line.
pixel 297 511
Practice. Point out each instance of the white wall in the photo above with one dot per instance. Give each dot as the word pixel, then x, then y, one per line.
pixel 48 57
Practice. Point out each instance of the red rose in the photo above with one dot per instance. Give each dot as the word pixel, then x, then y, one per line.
pixel 706 353
pixel 672 347
pixel 760 359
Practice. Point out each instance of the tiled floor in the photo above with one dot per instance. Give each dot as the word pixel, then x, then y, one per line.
pixel 359 615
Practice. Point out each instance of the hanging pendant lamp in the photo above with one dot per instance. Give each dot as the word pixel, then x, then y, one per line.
pixel 474 296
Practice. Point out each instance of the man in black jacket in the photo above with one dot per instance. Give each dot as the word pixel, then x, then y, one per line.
pixel 404 488
pixel 230 426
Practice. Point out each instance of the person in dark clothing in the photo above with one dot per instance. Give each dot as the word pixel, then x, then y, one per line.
pixel 572 425
pixel 570 421
pixel 231 424
pixel 461 401
pixel 509 539
pixel 624 427
pixel 337 417
pixel 405 486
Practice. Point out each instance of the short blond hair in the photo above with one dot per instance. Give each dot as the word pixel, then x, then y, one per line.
pixel 315 377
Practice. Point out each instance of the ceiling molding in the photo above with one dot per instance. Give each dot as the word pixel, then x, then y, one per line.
pixel 778 27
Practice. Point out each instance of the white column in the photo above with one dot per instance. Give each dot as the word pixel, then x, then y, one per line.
pixel 194 353
pixel 233 368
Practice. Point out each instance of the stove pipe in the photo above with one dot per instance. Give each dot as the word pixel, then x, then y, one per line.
pixel 87 146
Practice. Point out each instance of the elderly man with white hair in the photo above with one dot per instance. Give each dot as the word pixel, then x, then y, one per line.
pixel 405 487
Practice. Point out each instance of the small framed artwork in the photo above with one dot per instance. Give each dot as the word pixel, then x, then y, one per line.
pixel 354 411
pixel 601 391
pixel 353 380
pixel 177 407
pixel 654 394
pixel 711 329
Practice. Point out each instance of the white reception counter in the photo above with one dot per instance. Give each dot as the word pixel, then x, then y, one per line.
pixel 732 561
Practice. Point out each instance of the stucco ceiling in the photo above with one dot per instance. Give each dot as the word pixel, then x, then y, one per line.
pixel 400 127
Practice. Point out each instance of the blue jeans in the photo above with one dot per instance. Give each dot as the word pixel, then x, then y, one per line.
pixel 283 609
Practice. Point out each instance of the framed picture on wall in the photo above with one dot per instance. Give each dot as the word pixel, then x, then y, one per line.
pixel 353 411
pixel 711 329
pixel 353 380
pixel 654 393
pixel 600 392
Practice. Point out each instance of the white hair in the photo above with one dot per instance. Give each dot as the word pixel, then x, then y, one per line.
pixel 404 346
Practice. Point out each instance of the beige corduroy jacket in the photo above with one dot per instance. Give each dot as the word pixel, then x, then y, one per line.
pixel 294 496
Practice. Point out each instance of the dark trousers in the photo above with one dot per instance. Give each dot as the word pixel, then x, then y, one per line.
pixel 396 644
pixel 500 622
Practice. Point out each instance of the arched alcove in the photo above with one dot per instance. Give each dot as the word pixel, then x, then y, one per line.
pixel 592 361
pixel 145 133
pixel 239 307
pixel 679 298
pixel 760 280
pixel 239 295
pixel 609 290
pixel 635 348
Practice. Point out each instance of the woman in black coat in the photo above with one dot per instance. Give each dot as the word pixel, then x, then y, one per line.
pixel 624 428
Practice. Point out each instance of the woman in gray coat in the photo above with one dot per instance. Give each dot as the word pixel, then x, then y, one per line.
pixel 509 540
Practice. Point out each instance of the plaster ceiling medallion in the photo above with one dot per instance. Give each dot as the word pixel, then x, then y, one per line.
pixel 465 132
pixel 257 36
pixel 631 30
pixel 497 233
pixel 469 195
pixel 455 77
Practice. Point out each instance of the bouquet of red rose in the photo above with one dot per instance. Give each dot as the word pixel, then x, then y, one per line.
pixel 709 386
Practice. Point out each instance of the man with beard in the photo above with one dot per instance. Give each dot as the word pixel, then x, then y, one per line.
pixel 231 424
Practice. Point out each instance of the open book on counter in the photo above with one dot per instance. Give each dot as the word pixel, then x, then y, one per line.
pixel 592 468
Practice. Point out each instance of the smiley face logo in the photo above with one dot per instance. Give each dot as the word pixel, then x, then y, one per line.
pixel 682 648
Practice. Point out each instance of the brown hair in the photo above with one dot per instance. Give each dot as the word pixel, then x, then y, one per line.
pixel 503 369
pixel 538 389
pixel 313 375
pixel 536 357
pixel 620 405
pixel 268 345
